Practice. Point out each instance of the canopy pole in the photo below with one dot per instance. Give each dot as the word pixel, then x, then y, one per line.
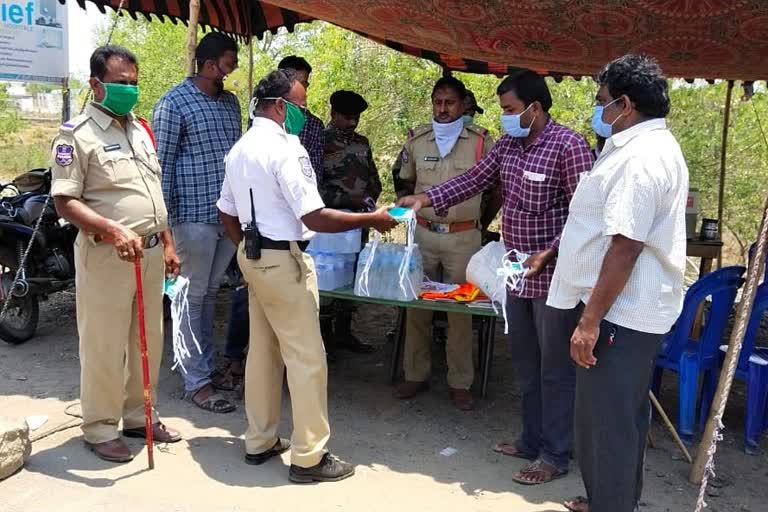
pixel 723 154
pixel 250 67
pixel 65 104
pixel 703 464
pixel 194 12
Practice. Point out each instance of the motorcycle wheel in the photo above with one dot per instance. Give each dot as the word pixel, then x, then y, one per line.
pixel 20 322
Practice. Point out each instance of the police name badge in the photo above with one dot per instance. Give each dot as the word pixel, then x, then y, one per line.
pixel 306 166
pixel 64 154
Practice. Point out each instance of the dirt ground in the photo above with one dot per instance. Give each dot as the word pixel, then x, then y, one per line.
pixel 395 444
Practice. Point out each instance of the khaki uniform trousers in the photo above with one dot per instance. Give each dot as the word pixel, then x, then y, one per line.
pixel 285 333
pixel 111 384
pixel 445 256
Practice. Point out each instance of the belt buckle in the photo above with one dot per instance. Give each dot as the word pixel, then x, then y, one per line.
pixel 152 241
pixel 441 228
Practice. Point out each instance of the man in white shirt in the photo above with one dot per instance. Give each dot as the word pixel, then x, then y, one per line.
pixel 622 255
pixel 270 186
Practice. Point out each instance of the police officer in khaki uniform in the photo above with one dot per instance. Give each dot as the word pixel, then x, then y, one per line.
pixel 106 181
pixel 433 154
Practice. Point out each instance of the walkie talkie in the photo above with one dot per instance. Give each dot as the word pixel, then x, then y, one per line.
pixel 251 235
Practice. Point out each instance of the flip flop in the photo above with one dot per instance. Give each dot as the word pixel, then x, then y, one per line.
pixel 511 450
pixel 538 467
pixel 577 504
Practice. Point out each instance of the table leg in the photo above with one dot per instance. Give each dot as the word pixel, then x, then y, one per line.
pixel 704 268
pixel 488 359
pixel 397 350
pixel 481 345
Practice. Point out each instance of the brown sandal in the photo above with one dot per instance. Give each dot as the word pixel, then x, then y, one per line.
pixel 538 472
pixel 512 450
pixel 577 504
pixel 215 402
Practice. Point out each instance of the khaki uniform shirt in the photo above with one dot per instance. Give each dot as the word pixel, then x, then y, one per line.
pixel 420 162
pixel 114 171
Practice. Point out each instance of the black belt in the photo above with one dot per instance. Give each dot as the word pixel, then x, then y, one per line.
pixel 281 245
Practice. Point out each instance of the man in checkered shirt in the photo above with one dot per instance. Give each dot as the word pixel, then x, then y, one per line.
pixel 196 124
pixel 539 163
pixel 312 136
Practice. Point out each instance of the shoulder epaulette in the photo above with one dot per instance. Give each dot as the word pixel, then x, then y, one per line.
pixel 419 131
pixel 477 129
pixel 74 123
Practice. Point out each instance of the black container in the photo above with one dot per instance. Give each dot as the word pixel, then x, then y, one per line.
pixel 710 230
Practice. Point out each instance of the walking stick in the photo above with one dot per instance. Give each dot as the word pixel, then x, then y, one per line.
pixel 144 364
pixel 675 436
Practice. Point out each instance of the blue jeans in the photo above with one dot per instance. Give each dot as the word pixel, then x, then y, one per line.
pixel 237 334
pixel 205 251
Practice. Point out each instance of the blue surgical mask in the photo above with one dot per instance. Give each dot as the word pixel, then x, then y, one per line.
pixel 600 127
pixel 467 119
pixel 511 124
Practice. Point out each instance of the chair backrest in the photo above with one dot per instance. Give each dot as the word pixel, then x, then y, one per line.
pixel 721 285
pixel 758 309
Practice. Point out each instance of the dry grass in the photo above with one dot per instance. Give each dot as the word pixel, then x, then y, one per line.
pixel 26 149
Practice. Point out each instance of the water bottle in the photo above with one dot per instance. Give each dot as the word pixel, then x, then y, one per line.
pixel 364 255
pixel 338 271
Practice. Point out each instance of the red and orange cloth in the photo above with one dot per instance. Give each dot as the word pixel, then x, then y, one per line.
pixel 466 292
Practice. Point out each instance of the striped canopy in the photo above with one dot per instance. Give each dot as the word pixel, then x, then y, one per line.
pixel 690 38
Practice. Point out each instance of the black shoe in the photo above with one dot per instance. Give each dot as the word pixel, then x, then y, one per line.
pixel 281 446
pixel 330 469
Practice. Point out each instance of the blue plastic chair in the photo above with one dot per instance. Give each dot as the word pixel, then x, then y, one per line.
pixel 753 370
pixel 693 358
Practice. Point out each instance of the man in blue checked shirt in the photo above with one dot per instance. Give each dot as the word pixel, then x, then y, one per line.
pixel 196 124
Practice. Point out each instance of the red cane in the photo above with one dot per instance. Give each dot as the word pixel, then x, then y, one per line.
pixel 144 364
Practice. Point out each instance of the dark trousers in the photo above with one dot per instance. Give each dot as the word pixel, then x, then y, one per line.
pixel 237 332
pixel 539 338
pixel 613 417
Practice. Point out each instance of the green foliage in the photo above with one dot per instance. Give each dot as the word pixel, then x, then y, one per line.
pixel 397 88
pixel 697 122
pixel 160 48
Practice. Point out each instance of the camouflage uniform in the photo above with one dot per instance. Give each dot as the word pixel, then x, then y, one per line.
pixel 350 172
pixel 350 178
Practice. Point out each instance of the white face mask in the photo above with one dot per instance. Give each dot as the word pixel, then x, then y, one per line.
pixel 446 135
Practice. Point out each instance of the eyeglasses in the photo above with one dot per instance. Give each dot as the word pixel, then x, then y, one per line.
pixel 598 103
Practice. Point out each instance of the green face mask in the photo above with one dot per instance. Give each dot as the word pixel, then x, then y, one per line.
pixel 294 118
pixel 119 98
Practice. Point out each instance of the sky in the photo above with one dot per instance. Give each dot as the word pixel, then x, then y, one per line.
pixel 82 25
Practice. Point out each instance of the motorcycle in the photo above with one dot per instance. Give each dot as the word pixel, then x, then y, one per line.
pixel 49 266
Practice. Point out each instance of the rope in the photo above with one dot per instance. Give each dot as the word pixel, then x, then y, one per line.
pixel 109 40
pixel 75 422
pixel 737 339
pixel 24 260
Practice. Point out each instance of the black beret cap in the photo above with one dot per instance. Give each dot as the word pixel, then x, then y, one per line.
pixel 348 103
